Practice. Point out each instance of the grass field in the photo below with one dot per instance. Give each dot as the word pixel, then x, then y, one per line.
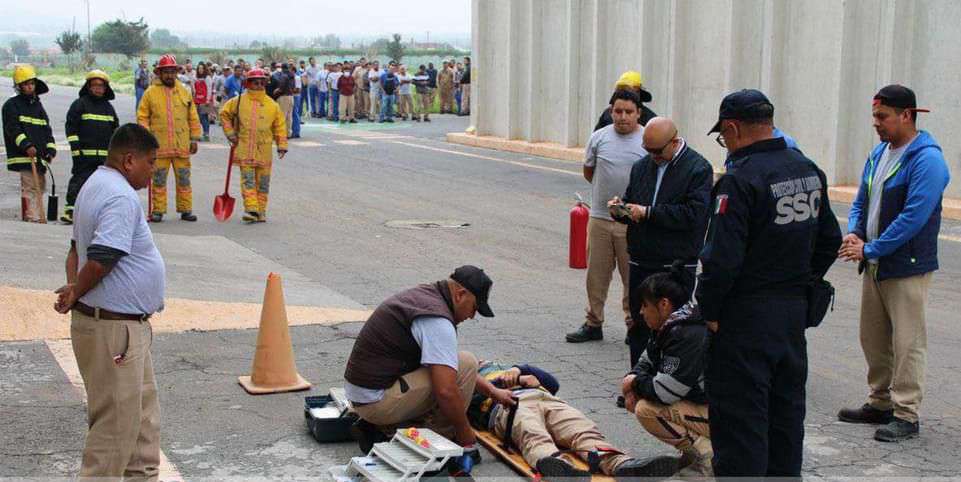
pixel 121 81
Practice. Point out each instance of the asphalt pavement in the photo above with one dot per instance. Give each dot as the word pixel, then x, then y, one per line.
pixel 348 206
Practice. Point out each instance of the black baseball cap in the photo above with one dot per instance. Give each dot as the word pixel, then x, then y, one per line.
pixel 898 96
pixel 745 104
pixel 476 281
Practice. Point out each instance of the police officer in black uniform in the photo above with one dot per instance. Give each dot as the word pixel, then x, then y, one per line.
pixel 771 234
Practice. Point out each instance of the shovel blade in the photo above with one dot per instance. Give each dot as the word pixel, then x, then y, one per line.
pixel 223 207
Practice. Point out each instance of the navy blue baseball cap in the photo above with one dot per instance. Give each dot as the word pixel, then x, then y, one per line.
pixel 745 104
pixel 476 281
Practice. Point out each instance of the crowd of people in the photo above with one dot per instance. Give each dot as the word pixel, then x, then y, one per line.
pixel 721 278
pixel 345 91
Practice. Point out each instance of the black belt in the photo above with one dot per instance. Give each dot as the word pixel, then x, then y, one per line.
pixel 103 314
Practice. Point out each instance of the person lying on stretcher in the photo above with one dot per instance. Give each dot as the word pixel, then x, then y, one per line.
pixel 542 427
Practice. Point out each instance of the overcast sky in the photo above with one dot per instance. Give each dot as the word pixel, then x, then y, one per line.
pixel 275 17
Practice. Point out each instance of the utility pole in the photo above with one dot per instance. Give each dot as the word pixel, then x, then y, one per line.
pixel 88 29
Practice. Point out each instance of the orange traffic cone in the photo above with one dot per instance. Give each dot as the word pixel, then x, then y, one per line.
pixel 274 369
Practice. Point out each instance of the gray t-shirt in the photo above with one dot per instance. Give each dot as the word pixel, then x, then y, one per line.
pixel 611 155
pixel 437 339
pixel 108 213
pixel 889 159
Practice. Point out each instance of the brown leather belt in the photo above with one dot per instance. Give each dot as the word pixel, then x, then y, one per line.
pixel 108 315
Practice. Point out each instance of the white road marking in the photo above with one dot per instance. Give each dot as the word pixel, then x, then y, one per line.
pixel 351 143
pixel 62 351
pixel 478 156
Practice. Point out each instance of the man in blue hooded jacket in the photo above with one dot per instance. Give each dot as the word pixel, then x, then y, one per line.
pixel 893 233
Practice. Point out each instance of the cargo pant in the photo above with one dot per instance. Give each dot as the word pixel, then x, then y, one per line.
pixel 426 102
pixel 683 425
pixel 29 202
pixel 410 400
pixel 374 104
pixel 545 424
pixel 361 103
pixel 181 167
pixel 123 414
pixel 447 100
pixel 255 188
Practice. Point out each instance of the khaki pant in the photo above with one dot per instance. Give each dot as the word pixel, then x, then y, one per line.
pixel 361 103
pixel 181 167
pixel 606 249
pixel 465 98
pixel 426 102
pixel 29 201
pixel 447 99
pixel 286 103
pixel 405 105
pixel 410 401
pixel 346 107
pixel 545 424
pixel 894 340
pixel 374 105
pixel 123 416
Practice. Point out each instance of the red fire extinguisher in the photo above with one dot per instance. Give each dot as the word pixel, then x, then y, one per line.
pixel 580 213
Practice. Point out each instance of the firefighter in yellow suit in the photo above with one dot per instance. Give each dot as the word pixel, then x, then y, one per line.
pixel 168 111
pixel 253 122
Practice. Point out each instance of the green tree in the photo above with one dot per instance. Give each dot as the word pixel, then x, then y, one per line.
pixel 163 39
pixel 395 49
pixel 273 54
pixel 121 37
pixel 20 47
pixel 69 42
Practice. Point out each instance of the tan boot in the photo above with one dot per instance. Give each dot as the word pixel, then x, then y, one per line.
pixel 696 459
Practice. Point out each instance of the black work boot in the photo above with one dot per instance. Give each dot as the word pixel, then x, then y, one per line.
pixel 660 466
pixel 586 333
pixel 896 430
pixel 865 414
pixel 366 434
pixel 188 216
pixel 556 468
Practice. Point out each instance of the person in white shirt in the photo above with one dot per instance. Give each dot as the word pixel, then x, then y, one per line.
pixel 323 89
pixel 334 92
pixel 373 76
pixel 405 101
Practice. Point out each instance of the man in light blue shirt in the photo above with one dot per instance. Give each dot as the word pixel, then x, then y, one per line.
pixel 115 283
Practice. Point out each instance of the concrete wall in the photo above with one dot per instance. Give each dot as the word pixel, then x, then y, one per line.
pixel 544 69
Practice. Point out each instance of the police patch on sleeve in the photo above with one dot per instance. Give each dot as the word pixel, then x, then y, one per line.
pixel 669 364
pixel 720 206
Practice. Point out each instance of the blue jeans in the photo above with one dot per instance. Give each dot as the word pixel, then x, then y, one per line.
pixel 204 123
pixel 295 123
pixel 334 105
pixel 139 96
pixel 457 99
pixel 323 104
pixel 304 101
pixel 314 93
pixel 387 106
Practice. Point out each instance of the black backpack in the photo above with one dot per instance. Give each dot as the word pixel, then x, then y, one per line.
pixel 390 84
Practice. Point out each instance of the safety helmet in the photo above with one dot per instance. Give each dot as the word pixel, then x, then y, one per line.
pixel 630 79
pixel 633 80
pixel 256 74
pixel 25 72
pixel 167 61
pixel 98 74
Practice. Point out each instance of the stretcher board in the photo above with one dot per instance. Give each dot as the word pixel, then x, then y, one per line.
pixel 516 462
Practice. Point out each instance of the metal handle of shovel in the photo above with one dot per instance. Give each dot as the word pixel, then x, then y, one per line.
pixel 230 167
pixel 53 202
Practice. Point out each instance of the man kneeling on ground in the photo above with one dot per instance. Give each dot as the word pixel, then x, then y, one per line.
pixel 405 369
pixel 665 390
pixel 543 427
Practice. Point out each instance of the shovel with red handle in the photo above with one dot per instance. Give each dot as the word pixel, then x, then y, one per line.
pixel 224 203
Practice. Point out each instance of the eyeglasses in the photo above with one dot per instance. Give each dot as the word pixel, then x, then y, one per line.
pixel 658 151
pixel 720 137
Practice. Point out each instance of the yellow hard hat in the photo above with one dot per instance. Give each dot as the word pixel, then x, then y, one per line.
pixel 98 74
pixel 23 73
pixel 630 79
